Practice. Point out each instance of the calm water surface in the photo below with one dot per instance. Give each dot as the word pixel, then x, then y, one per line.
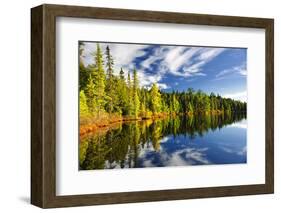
pixel 173 141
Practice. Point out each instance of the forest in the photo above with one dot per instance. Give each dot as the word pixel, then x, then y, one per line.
pixel 106 97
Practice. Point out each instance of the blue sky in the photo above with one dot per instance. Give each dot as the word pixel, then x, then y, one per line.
pixel 211 69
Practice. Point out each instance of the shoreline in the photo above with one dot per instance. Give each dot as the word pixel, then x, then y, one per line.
pixel 93 125
pixel 102 125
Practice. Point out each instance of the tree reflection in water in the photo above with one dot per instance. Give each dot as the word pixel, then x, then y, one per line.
pixel 138 144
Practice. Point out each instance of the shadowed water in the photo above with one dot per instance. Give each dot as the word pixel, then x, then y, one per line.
pixel 172 141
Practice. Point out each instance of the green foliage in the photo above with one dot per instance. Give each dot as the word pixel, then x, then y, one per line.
pixel 155 99
pixel 123 99
pixel 190 108
pixel 90 92
pixel 109 63
pixel 175 105
pixel 130 104
pixel 111 88
pixel 99 81
pixel 83 104
pixel 84 72
pixel 136 101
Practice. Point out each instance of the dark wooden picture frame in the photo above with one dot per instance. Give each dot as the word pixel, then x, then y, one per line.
pixel 43 105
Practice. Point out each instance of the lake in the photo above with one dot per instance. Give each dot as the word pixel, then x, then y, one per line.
pixel 169 141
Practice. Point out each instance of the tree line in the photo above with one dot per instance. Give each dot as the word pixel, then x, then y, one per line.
pixel 103 92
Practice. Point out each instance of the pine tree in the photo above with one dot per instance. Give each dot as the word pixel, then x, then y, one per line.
pixel 83 104
pixel 143 110
pixel 111 84
pixel 130 96
pixel 90 93
pixel 206 103
pixel 122 93
pixel 109 63
pixel 121 74
pixel 136 101
pixel 84 72
pixel 100 80
pixel 175 104
pixel 190 108
pixel 155 99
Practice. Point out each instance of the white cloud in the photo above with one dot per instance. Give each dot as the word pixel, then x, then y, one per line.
pixel 179 61
pixel 204 56
pixel 241 96
pixel 158 54
pixel 241 70
pixel 183 61
pixel 146 80
pixel 238 125
pixel 243 151
pixel 176 57
pixel 186 156
pixel 165 139
pixel 210 53
pixel 163 86
pixel 242 124
pixel 123 54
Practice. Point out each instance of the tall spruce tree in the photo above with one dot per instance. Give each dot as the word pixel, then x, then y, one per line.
pixel 91 96
pixel 130 95
pixel 136 100
pixel 122 93
pixel 155 99
pixel 99 81
pixel 84 111
pixel 111 84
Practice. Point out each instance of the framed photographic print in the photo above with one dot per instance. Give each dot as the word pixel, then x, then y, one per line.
pixel 136 106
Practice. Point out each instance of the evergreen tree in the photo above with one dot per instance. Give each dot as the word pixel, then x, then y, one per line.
pixel 136 101
pixel 175 104
pixel 84 72
pixel 130 106
pixel 155 99
pixel 90 93
pixel 83 104
pixel 122 93
pixel 99 81
pixel 190 108
pixel 143 103
pixel 109 64
pixel 111 85
pixel 121 74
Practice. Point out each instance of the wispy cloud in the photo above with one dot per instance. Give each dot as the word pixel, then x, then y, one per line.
pixel 178 61
pixel 156 61
pixel 238 125
pixel 233 150
pixel 163 86
pixel 185 61
pixel 227 73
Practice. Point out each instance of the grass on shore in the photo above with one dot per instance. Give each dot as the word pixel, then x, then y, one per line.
pixel 104 120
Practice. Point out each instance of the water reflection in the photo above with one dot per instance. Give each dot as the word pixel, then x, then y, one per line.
pixel 173 141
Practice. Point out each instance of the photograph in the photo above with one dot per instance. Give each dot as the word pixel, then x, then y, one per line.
pixel 161 105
